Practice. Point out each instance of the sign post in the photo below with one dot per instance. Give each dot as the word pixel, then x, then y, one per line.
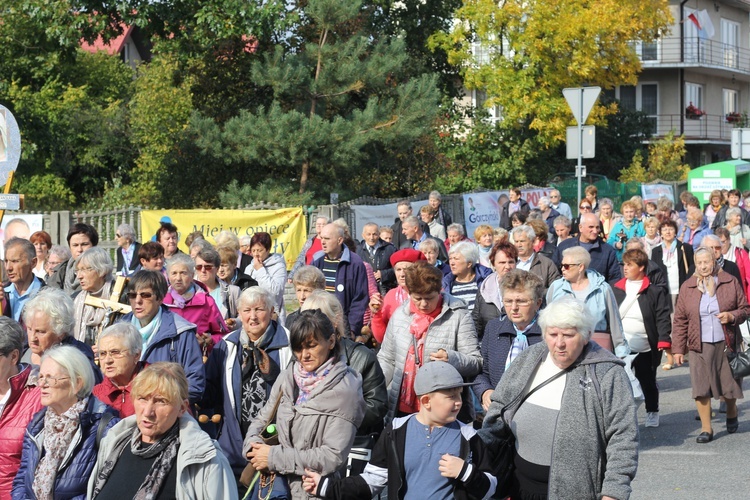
pixel 581 100
pixel 10 153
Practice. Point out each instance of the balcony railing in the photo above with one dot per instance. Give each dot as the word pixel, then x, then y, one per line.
pixel 707 127
pixel 698 52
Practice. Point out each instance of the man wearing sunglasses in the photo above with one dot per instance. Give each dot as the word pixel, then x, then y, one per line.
pixel 603 255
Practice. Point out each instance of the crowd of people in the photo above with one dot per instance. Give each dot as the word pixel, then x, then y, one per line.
pixel 419 361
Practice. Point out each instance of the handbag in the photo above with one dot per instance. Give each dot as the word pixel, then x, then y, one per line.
pixel 739 360
pixel 249 472
pixel 502 459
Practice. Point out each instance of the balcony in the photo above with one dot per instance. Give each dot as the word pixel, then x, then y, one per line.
pixel 712 54
pixel 707 128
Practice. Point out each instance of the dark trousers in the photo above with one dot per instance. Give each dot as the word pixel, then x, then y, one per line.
pixel 645 372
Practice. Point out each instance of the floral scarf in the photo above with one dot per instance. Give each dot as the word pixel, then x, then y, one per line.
pixel 407 400
pixel 308 381
pixel 59 431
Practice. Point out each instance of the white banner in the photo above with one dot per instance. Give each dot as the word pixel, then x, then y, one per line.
pixel 382 215
pixel 484 208
pixel 652 192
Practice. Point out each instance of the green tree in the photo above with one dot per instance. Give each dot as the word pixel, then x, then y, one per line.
pixel 665 162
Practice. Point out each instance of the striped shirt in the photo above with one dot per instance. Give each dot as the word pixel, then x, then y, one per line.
pixel 466 292
pixel 329 271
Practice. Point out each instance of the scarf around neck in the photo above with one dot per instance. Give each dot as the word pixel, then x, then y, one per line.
pixel 707 284
pixel 90 317
pixel 180 301
pixel 149 330
pixel 308 381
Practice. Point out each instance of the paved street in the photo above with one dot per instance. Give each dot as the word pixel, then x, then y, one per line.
pixel 673 465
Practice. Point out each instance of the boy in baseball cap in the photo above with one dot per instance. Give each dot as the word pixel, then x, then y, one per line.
pixel 429 450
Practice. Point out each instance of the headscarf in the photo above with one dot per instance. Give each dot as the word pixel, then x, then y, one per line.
pixel 707 284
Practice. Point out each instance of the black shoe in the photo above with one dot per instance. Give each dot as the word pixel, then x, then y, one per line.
pixel 733 424
pixel 705 437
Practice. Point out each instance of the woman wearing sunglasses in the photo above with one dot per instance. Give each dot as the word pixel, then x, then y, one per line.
pixel 166 336
pixel 192 299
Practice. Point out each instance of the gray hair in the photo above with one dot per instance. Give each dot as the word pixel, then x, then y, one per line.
pixel 98 259
pixel 329 305
pixel 255 295
pixel 702 249
pixel 435 195
pixel 245 240
pixel 75 364
pixel 182 259
pixel 429 244
pixel 126 332
pixel 526 229
pixel 606 201
pixel 635 243
pixel 199 243
pixel 518 279
pixel 56 305
pixel 567 312
pixel 562 221
pixel 468 250
pixel 210 256
pixel 664 203
pixel 543 201
pixel 456 227
pixel 411 221
pixel 27 247
pixel 126 231
pixel 325 219
pixel 578 254
pixel 62 252
pixel 711 237
pixel 339 231
pixel 227 238
pixel 310 275
pixel 12 337
pixel 731 212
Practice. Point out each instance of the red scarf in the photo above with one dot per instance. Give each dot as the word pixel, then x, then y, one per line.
pixel 407 400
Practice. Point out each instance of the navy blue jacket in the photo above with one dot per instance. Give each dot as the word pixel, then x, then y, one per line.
pixel 73 475
pixel 480 273
pixel 499 335
pixel 217 396
pixel 603 258
pixel 351 286
pixel 88 352
pixel 175 341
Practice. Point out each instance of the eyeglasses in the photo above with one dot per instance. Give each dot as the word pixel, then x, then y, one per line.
pixel 568 266
pixel 143 295
pixel 519 303
pixel 202 267
pixel 49 380
pixel 585 207
pixel 84 269
pixel 115 353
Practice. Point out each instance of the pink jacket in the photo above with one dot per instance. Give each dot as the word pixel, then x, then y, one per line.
pixel 390 304
pixel 202 311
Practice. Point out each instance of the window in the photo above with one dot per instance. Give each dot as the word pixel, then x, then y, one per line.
pixel 730 36
pixel 481 53
pixel 647 51
pixel 644 98
pixel 694 95
pixel 627 97
pixel 730 100
pixel 478 98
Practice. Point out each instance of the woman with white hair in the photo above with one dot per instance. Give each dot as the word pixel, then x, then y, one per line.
pixel 127 249
pixel 242 369
pixel 466 272
pixel 120 347
pixel 587 285
pixel 62 440
pixel 739 233
pixel 569 405
pixel 94 271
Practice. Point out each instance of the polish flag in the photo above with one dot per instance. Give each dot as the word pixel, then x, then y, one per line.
pixel 702 21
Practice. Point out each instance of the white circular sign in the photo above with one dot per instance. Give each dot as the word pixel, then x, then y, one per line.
pixel 10 144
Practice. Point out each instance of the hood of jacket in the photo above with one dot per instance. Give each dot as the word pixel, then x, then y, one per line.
pixel 278 337
pixel 274 259
pixel 594 277
pixel 490 290
pixel 332 396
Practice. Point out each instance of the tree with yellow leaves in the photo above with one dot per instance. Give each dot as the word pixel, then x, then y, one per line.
pixel 665 162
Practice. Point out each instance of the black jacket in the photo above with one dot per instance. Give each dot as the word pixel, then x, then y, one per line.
pixel 380 262
pixel 362 360
pixel 686 266
pixel 388 456
pixel 505 217
pixel 133 262
pixel 398 236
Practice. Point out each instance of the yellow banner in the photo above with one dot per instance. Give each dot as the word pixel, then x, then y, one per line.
pixel 287 226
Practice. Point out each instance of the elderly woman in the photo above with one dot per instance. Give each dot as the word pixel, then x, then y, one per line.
pixel 127 249
pixel 644 310
pixel 562 229
pixel 94 272
pixel 738 232
pixel 151 257
pixel 710 307
pixel 166 336
pixel 695 228
pixel 431 326
pixel 607 219
pixel 589 287
pixel 42 242
pixel 383 308
pixel 191 300
pixel 80 238
pixel 540 243
pixel 228 271
pixel 570 408
pixel 505 338
pixel 715 203
pixel 242 369
pixel 120 348
pixel 160 452
pixel 673 256
pixel 431 251
pixel 484 237
pixel 318 406
pixel 455 234
pixel 167 236
pixel 61 442
pixel 549 214
pixel 652 239
pixel 207 264
pixel 18 381
pixel 467 274
pixel 269 270
pixel 488 304
pixel 49 321
pixel 57 255
pixel 626 228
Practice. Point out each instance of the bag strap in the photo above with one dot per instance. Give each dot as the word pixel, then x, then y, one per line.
pixel 103 422
pixel 272 416
pixel 532 391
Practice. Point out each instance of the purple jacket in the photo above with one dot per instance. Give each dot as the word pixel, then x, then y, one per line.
pixel 351 287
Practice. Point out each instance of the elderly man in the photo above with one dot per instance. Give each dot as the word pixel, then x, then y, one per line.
pixel 377 252
pixel 441 216
pixel 562 207
pixel 404 210
pixel 310 248
pixel 531 261
pixel 414 234
pixel 345 273
pixel 20 260
pixel 603 256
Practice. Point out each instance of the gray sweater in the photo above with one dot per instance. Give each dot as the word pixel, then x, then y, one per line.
pixel 595 448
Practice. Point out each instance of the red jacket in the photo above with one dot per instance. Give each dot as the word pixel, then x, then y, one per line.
pixel 743 263
pixel 390 304
pixel 117 397
pixel 23 403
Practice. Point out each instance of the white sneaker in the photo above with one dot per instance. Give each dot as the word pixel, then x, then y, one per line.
pixel 652 419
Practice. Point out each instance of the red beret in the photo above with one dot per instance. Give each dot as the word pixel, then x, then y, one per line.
pixel 406 255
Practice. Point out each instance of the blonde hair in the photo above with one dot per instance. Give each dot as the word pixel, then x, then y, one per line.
pixel 163 378
pixel 329 305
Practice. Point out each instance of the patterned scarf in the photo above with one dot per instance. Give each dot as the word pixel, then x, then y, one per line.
pixel 259 372
pixel 308 381
pixel 59 431
pixel 165 451
pixel 407 400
